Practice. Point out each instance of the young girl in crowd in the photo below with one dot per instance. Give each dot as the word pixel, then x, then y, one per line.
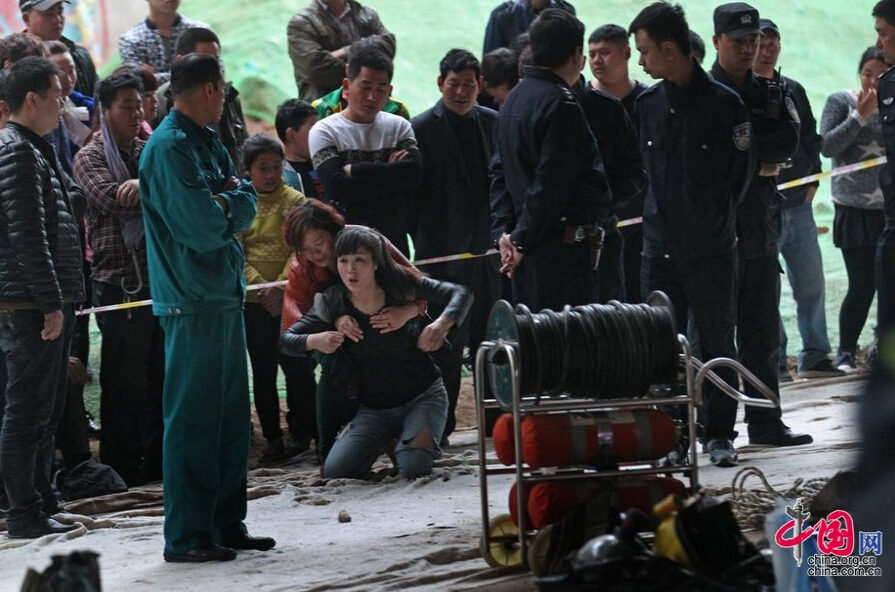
pixel 399 388
pixel 310 230
pixel 851 131
pixel 267 260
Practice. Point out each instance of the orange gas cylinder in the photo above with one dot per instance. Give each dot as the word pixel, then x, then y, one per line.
pixel 514 509
pixel 596 439
pixel 548 502
pixel 502 438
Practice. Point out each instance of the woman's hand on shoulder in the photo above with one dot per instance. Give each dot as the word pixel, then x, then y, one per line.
pixel 325 342
pixel 393 317
pixel 349 327
pixel 432 336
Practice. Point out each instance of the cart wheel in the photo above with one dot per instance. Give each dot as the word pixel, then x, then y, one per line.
pixel 537 550
pixel 502 553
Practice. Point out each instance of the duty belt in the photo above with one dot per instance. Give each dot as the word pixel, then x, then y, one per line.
pixel 592 234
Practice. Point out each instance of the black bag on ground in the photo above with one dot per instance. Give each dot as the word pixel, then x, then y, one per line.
pixel 76 572
pixel 89 479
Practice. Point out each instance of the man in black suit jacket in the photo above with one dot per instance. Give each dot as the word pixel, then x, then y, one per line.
pixel 451 214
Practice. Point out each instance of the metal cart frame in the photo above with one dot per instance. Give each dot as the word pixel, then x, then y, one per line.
pixel 696 373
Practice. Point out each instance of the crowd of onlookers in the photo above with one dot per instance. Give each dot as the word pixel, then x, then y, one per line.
pixel 592 191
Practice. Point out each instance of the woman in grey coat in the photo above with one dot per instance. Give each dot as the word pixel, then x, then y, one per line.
pixel 851 131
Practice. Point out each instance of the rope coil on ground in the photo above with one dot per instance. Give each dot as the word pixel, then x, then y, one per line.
pixel 750 506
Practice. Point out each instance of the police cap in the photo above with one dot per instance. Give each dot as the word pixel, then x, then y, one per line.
pixel 736 19
pixel 769 26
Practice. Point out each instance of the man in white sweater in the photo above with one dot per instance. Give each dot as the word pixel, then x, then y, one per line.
pixel 367 159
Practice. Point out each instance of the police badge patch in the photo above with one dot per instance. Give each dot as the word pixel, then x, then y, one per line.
pixel 791 108
pixel 742 136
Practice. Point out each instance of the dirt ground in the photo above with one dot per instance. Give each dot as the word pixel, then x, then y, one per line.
pixel 465 413
pixel 391 534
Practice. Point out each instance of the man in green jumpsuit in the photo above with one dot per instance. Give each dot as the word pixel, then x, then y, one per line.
pixel 193 205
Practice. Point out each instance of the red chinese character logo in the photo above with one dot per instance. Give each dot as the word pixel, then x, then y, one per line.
pixel 836 534
pixel 798 537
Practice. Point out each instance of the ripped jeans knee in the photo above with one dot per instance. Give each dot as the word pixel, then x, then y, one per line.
pixel 415 456
pixel 418 424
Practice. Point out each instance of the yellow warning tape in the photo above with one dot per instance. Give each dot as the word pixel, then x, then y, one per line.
pixel 808 179
pixel 132 304
pixel 463 256
pixel 256 287
pixel 116 307
pixel 469 255
pixel 834 173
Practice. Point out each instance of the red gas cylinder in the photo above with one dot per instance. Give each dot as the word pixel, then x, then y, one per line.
pixel 502 438
pixel 548 502
pixel 595 439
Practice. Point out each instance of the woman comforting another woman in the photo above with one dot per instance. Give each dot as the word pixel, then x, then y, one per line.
pixel 397 385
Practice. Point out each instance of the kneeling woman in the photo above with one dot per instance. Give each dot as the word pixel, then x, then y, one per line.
pixel 399 388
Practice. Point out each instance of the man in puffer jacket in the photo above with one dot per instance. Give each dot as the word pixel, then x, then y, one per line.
pixel 40 283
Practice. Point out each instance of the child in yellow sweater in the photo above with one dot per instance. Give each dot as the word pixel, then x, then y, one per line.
pixel 267 259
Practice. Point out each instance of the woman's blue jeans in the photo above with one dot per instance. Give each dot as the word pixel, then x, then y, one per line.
pixel 372 428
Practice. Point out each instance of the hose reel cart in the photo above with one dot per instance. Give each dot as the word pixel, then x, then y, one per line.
pixel 580 390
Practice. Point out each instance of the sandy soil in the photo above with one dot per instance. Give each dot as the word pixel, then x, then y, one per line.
pixel 420 535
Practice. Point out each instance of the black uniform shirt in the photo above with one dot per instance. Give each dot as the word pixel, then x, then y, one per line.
pixel 631 98
pixel 547 171
pixel 617 143
pixel 776 134
pixel 885 95
pixel 806 161
pixel 697 150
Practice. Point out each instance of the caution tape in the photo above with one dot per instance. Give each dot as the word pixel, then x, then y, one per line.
pixel 453 258
pixel 267 285
pixel 145 302
pixel 808 179
pixel 115 307
pixel 834 173
pixel 470 256
pixel 628 222
pixel 256 287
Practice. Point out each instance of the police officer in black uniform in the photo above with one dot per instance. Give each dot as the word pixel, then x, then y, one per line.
pixel 695 137
pixel 617 143
pixel 775 123
pixel 884 12
pixel 872 510
pixel 549 196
